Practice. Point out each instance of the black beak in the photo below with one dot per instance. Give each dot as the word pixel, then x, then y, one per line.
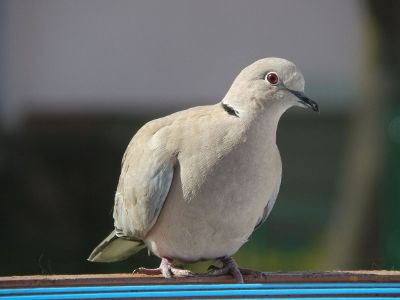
pixel 305 100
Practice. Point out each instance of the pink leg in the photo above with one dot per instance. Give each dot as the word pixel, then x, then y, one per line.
pixel 166 269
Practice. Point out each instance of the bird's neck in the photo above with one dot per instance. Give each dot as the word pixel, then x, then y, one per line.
pixel 263 127
pixel 261 122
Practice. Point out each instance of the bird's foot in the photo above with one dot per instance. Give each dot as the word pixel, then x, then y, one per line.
pixel 250 272
pixel 165 269
pixel 229 267
pixel 243 271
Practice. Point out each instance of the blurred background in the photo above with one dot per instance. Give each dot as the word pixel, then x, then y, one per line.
pixel 78 78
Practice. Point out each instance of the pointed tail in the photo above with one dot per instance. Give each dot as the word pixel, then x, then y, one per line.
pixel 114 249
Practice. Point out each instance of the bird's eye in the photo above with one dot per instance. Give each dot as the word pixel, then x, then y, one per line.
pixel 272 78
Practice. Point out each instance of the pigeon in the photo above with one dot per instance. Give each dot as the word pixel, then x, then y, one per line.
pixel 195 184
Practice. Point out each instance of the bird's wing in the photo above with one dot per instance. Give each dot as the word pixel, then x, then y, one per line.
pixel 145 180
pixel 269 206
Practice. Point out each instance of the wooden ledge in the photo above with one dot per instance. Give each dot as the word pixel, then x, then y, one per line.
pixel 129 279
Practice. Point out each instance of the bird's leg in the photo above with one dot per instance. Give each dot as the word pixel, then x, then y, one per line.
pixel 229 267
pixel 165 269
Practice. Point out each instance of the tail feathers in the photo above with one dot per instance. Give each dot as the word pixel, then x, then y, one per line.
pixel 114 249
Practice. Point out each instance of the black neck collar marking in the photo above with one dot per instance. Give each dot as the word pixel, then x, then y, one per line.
pixel 230 110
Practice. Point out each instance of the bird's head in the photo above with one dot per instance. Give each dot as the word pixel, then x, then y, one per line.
pixel 269 83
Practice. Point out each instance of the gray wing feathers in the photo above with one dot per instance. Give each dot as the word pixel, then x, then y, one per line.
pixel 144 183
pixel 139 202
pixel 145 180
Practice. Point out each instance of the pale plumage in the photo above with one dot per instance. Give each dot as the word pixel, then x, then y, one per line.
pixel 194 185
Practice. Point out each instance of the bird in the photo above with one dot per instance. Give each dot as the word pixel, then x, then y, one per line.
pixel 195 184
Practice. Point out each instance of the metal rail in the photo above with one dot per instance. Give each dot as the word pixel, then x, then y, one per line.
pixel 321 285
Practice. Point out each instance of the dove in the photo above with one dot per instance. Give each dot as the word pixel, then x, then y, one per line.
pixel 195 184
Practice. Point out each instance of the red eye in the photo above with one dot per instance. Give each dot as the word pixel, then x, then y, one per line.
pixel 272 78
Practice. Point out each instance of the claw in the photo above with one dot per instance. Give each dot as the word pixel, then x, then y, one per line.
pixel 252 273
pixel 212 267
pixel 165 269
pixel 229 267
